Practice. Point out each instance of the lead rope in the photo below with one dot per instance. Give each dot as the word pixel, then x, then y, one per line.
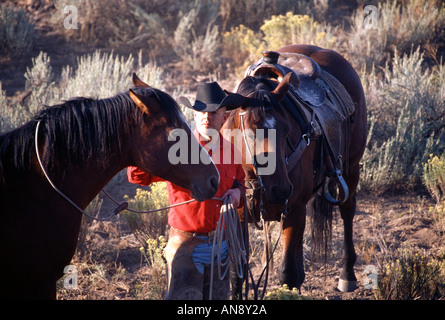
pixel 269 255
pixel 121 206
pixel 236 249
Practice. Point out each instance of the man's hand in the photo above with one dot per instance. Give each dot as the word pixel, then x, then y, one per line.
pixel 235 193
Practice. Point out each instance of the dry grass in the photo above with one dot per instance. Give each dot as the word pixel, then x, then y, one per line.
pixel 399 236
pixel 212 39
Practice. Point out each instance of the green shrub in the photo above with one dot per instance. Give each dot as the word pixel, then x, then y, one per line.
pixel 434 180
pixel 401 26
pixel 243 46
pixel 97 75
pixel 406 116
pixel 98 23
pixel 16 31
pixel 147 21
pixel 197 52
pixel 153 254
pixel 40 85
pixel 101 75
pixel 282 30
pixel 284 293
pixel 411 276
pixel 9 116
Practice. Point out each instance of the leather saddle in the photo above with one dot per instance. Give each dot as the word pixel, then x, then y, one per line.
pixel 310 89
pixel 318 97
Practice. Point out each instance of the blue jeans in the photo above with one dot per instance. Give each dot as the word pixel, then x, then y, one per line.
pixel 202 254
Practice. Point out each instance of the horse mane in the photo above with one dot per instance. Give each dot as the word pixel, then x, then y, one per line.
pixel 259 88
pixel 78 130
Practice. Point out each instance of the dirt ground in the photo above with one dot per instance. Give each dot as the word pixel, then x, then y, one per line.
pixel 111 266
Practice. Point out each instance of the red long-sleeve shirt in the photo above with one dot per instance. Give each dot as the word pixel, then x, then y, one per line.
pixel 201 217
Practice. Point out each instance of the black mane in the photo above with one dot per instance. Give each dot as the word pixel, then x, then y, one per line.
pixel 77 131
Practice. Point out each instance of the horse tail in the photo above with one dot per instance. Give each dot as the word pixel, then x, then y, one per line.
pixel 321 211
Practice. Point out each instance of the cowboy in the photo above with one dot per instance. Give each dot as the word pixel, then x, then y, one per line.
pixel 189 248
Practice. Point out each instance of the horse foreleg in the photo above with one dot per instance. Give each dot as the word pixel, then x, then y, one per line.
pixel 291 270
pixel 348 281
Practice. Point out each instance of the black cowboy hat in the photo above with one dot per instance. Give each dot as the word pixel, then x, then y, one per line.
pixel 209 97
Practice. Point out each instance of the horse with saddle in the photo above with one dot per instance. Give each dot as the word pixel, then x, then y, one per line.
pixel 317 104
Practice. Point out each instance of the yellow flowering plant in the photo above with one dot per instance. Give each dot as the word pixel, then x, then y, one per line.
pixel 284 293
pixel 434 176
pixel 148 226
pixel 244 46
pixel 282 30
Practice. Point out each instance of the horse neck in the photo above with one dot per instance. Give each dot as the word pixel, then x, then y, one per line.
pixel 81 182
pixel 84 183
pixel 295 129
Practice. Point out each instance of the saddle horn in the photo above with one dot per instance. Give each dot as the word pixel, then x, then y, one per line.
pixel 283 87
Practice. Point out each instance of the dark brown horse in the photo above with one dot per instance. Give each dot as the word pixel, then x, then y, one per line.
pixel 83 143
pixel 264 106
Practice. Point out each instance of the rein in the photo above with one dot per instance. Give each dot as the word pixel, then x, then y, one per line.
pixel 258 185
pixel 238 244
pixel 121 206
pixel 253 183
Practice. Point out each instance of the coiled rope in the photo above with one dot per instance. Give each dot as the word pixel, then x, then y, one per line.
pixel 228 228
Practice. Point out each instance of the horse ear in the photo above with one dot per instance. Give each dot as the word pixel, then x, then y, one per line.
pixel 147 104
pixel 138 82
pixel 233 101
pixel 281 90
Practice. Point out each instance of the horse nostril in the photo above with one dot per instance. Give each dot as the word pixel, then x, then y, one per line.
pixel 214 183
pixel 280 196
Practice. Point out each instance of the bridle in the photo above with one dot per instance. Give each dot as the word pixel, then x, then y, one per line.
pixel 255 190
pixel 255 187
pixel 121 205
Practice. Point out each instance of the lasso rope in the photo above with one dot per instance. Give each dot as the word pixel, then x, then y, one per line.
pixel 228 228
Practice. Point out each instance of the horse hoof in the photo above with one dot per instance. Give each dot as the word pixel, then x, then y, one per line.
pixel 347 286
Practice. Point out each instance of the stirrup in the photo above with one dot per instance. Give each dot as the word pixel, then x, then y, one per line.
pixel 343 187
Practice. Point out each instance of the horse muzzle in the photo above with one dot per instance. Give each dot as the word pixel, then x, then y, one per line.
pixel 200 194
pixel 279 195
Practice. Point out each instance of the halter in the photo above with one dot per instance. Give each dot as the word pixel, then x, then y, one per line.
pixel 116 211
pixel 121 206
pixel 257 185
